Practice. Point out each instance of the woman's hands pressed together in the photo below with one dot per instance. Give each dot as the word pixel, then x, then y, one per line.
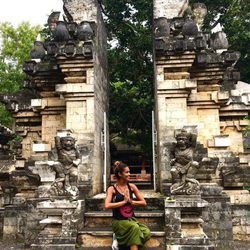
pixel 127 196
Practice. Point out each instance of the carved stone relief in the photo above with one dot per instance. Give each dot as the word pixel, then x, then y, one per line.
pixel 64 160
pixel 183 167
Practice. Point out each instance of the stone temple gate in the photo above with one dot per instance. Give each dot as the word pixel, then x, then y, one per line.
pixel 51 186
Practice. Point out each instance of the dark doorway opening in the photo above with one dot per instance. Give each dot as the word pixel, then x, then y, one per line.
pixel 141 166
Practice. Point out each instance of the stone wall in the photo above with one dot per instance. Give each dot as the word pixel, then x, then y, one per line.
pixel 195 88
pixel 240 201
pixel 51 124
pixel 218 218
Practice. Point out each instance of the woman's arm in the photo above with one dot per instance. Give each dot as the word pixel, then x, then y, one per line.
pixel 140 200
pixel 108 200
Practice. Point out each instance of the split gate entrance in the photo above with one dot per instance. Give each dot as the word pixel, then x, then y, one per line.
pixel 143 169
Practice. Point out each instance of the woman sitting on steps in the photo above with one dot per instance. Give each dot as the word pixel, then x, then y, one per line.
pixel 129 232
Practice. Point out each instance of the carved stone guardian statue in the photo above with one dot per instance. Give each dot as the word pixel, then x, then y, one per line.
pixel 183 167
pixel 64 160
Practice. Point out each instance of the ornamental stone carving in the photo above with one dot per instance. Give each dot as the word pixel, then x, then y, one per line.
pixel 64 160
pixel 183 167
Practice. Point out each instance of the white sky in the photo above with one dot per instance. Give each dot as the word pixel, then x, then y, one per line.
pixel 34 11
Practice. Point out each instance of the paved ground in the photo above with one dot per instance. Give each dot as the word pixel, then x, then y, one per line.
pixel 241 245
pixel 238 246
pixel 12 246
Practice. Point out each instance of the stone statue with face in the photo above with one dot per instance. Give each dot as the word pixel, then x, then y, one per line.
pixel 68 154
pixel 182 164
pixel 64 160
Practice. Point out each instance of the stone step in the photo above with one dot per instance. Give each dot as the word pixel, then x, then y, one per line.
pixel 154 201
pixel 93 239
pixel 153 219
pixel 96 248
pixel 110 248
pixel 106 213
pixel 53 247
pixel 190 247
pixel 56 240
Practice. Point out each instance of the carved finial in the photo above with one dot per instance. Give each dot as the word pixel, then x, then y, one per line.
pixel 85 32
pixel 219 41
pixel 52 20
pixel 161 27
pixel 189 28
pixel 38 51
pixel 61 33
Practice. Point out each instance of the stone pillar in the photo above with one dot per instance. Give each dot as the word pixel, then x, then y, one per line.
pixel 52 110
pixel 187 81
pixel 172 84
pixel 218 217
pixel 85 90
pixel 78 93
pixel 172 89
pixel 61 224
pixel 184 223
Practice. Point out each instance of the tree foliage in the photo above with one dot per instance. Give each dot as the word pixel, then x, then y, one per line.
pixel 16 44
pixel 130 70
pixel 129 25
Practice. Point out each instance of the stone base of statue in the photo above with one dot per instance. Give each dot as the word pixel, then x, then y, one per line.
pixel 184 223
pixel 188 187
pixel 61 224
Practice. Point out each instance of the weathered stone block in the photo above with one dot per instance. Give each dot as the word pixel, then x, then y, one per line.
pixel 74 88
pixel 82 11
pixel 169 8
pixel 36 103
pixel 44 171
pixel 41 147
pixel 222 141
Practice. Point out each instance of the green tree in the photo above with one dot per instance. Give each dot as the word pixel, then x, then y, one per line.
pixel 129 25
pixel 16 44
